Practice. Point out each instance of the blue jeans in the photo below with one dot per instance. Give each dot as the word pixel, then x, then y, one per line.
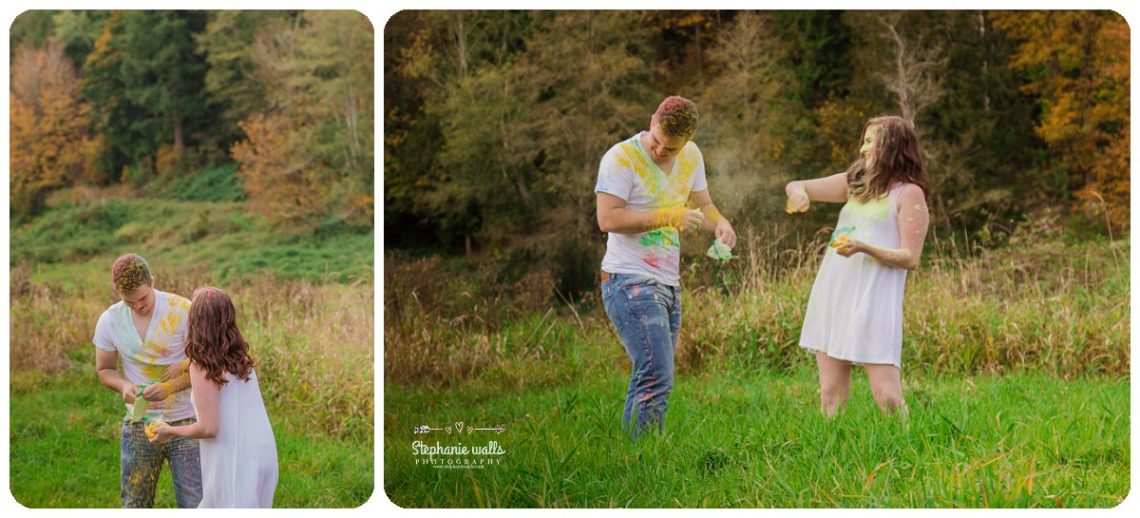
pixel 141 461
pixel 647 316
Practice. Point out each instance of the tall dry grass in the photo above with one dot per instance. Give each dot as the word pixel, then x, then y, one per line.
pixel 1046 302
pixel 312 343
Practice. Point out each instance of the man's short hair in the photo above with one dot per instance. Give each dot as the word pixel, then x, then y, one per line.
pixel 129 272
pixel 677 116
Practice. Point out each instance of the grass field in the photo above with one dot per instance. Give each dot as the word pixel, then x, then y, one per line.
pixel 65 450
pixel 1016 371
pixel 756 439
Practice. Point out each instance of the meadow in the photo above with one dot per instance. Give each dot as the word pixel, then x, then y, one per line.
pixel 756 439
pixel 305 304
pixel 1015 368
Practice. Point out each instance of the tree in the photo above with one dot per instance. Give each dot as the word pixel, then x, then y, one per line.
pixel 231 79
pixel 281 179
pixel 144 82
pixel 1076 66
pixel 161 69
pixel 743 115
pixel 431 59
pixel 817 49
pixel 314 141
pixel 586 93
pixel 31 29
pixel 411 137
pixel 49 133
pixel 77 30
pixel 905 56
pixel 127 135
pixel 982 133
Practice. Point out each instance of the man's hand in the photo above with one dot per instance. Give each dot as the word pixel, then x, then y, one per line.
pixel 129 390
pixel 157 392
pixel 175 370
pixel 725 233
pixel 692 219
pixel 682 219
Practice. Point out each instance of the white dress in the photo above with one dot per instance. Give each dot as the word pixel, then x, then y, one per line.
pixel 239 465
pixel 855 309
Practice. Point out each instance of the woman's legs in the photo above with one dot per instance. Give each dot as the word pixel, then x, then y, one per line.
pixel 886 387
pixel 834 383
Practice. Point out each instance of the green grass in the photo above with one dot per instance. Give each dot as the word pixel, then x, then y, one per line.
pixel 756 439
pixel 219 237
pixel 65 450
pixel 219 183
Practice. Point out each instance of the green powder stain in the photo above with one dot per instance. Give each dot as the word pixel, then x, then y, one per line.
pixel 879 209
pixel 662 237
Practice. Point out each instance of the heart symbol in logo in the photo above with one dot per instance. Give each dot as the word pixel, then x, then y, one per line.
pixel 459 426
pixel 448 429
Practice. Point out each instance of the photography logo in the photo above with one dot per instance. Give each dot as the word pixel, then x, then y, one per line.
pixel 454 452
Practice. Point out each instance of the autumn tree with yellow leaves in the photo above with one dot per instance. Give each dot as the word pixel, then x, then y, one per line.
pixel 1077 65
pixel 49 136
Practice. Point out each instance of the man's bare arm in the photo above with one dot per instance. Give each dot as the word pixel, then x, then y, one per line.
pixel 613 216
pixel 107 367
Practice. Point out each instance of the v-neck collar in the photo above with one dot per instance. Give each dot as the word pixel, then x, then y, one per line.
pixel 637 143
pixel 149 324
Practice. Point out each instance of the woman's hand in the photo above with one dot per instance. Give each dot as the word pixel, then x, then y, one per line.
pixel 162 434
pixel 798 200
pixel 849 247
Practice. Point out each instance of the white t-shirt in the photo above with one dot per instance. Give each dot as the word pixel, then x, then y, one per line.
pixel 626 171
pixel 144 361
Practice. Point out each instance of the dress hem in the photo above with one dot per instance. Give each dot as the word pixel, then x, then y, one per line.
pixel 897 365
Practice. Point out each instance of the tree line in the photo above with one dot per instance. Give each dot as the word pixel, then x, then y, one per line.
pixel 138 97
pixel 494 121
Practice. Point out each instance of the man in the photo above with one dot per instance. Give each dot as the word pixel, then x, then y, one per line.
pixel 147 328
pixel 643 186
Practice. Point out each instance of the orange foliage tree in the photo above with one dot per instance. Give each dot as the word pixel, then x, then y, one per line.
pixel 275 170
pixel 1077 62
pixel 49 137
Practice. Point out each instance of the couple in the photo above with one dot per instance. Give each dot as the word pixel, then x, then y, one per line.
pixel 854 314
pixel 216 435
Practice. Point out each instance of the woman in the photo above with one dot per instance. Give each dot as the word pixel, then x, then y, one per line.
pixel 854 314
pixel 238 452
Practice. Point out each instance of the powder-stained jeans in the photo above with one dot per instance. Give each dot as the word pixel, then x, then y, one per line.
pixel 647 316
pixel 141 462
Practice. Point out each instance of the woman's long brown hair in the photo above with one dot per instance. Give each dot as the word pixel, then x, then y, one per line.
pixel 896 159
pixel 213 340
